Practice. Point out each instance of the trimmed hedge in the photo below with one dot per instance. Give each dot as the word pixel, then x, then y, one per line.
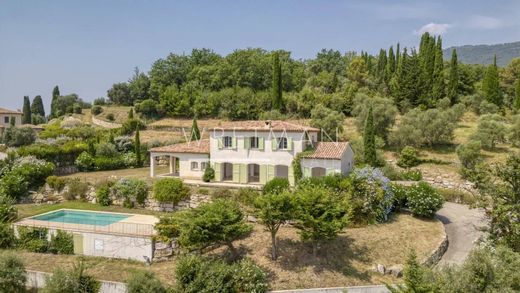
pixel 170 190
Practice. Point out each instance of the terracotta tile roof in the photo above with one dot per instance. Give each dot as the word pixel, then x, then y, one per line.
pixel 328 150
pixel 267 125
pixel 7 111
pixel 193 147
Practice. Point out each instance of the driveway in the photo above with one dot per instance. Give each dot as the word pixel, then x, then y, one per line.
pixel 463 226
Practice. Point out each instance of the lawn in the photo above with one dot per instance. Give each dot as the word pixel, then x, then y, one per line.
pixel 345 261
pixel 102 176
pixel 27 210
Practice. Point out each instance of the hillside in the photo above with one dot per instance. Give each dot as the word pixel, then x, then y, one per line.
pixel 483 54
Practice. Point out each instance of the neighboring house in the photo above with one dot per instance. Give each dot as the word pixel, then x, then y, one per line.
pixel 5 118
pixel 254 152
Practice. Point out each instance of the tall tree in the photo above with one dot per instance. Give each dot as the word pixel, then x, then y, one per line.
pixel 491 84
pixel 438 73
pixel 26 118
pixel 55 95
pixel 195 132
pixel 137 149
pixel 381 66
pixel 277 83
pixel 516 104
pixel 369 140
pixel 453 79
pixel 390 65
pixel 37 106
pixel 397 54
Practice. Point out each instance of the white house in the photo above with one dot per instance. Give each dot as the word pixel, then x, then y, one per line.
pixel 254 152
pixel 6 116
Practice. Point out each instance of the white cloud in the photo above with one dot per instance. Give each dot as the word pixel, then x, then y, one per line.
pixel 433 28
pixel 485 22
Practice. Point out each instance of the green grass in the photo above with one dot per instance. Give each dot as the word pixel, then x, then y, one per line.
pixel 27 210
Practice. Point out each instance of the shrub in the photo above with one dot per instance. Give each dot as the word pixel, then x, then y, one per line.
pixel 109 163
pixel 328 120
pixel 71 280
pixel 26 173
pixel 144 282
pixel 7 237
pixel 123 144
pixel 409 157
pixel 18 136
pixel 400 196
pixel 131 125
pixel 129 159
pixel 222 193
pixel 390 172
pixel 249 277
pixel 59 153
pixel 33 239
pixel 276 185
pixel 491 130
pixel 12 274
pixel 77 189
pixel 106 149
pixel 96 109
pixel 147 108
pixel 8 212
pixel 209 174
pixel 99 101
pixel 76 108
pixel 132 191
pixel 514 132
pixel 469 156
pixel 85 162
pixel 61 243
pixel 55 182
pixel 103 195
pixel 170 190
pixel 413 175
pixel 487 108
pixel 110 117
pixel 424 200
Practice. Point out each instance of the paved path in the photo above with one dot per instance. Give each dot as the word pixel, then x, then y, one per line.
pixel 463 228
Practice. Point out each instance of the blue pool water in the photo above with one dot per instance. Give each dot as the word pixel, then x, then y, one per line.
pixel 81 217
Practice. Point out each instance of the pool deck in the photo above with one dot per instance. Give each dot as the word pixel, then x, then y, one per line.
pixel 134 225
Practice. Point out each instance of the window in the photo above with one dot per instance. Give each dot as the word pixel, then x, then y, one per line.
pixel 194 165
pixel 253 142
pixel 227 141
pixel 6 119
pixel 282 143
pixel 203 165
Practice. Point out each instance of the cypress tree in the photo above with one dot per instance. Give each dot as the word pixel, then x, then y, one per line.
pixel 390 64
pixel 55 95
pixel 37 106
pixel 277 83
pixel 369 140
pixel 438 73
pixel 516 104
pixel 137 149
pixel 131 113
pixel 491 84
pixel 26 118
pixel 195 133
pixel 397 54
pixel 452 91
pixel 381 65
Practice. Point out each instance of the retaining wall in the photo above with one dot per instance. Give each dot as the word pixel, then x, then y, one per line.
pixel 36 279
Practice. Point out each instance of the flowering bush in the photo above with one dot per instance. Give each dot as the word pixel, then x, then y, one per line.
pixel 129 159
pixel 424 200
pixel 24 174
pixel 85 162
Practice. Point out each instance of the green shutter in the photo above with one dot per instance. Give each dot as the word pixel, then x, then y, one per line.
pixel 289 144
pixel 77 239
pixel 307 172
pixel 270 172
pixel 219 142
pixel 291 175
pixel 216 167
pixel 236 173
pixel 273 144
pixel 243 173
pixel 247 143
pixel 234 143
pixel 263 174
pixel 261 143
pixel 330 171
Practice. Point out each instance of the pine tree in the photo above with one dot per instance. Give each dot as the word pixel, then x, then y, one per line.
pixel 26 118
pixel 137 150
pixel 516 104
pixel 438 73
pixel 55 95
pixel 369 140
pixel 452 91
pixel 195 133
pixel 277 83
pixel 491 84
pixel 37 106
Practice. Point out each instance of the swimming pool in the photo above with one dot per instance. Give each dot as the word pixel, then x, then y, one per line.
pixel 81 217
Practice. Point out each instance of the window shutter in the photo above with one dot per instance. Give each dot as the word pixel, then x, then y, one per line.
pixel 247 143
pixel 234 142
pixel 291 175
pixel 289 144
pixel 307 172
pixel 263 174
pixel 217 171
pixel 236 173
pixel 261 143
pixel 219 142
pixel 274 143
pixel 243 173
pixel 270 172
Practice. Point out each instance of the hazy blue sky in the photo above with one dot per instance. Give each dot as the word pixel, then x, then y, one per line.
pixel 86 46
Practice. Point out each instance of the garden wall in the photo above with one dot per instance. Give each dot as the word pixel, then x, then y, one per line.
pixel 36 279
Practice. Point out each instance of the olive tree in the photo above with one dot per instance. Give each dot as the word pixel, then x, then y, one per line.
pixel 491 130
pixel 12 274
pixel 384 113
pixel 329 121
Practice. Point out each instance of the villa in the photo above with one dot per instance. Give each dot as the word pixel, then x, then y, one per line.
pixel 254 152
pixel 5 118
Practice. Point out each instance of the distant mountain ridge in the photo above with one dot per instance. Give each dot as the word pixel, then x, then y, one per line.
pixel 483 54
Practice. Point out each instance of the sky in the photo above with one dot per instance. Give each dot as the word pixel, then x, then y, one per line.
pixel 86 46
